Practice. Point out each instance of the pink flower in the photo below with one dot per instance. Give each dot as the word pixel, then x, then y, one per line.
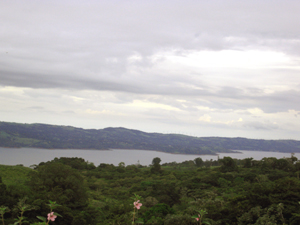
pixel 51 216
pixel 137 204
pixel 197 219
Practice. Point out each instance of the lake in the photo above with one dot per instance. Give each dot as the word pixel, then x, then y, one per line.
pixel 30 156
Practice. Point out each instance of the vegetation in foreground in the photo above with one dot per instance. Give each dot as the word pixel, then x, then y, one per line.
pixel 222 192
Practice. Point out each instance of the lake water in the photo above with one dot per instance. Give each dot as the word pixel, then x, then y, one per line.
pixel 30 156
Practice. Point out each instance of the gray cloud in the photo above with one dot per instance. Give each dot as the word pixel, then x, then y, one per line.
pixel 261 125
pixel 107 55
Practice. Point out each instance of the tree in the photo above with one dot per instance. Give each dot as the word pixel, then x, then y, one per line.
pixel 121 165
pixel 198 161
pixel 268 163
pixel 3 193
pixel 228 165
pixel 156 160
pixel 248 162
pixel 60 183
pixel 166 192
pixel 155 168
pixel 258 216
pixel 283 164
pixel 160 210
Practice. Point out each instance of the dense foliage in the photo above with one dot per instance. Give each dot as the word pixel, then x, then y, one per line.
pixel 230 191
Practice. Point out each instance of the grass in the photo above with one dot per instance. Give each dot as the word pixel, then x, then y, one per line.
pixel 4 134
pixel 26 141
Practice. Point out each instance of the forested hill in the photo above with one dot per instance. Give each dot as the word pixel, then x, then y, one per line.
pixel 67 137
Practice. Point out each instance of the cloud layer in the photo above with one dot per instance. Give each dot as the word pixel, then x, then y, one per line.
pixel 203 68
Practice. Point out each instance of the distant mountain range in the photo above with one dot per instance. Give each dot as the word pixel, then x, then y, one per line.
pixel 67 137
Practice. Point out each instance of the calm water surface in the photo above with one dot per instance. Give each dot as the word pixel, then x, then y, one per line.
pixel 30 156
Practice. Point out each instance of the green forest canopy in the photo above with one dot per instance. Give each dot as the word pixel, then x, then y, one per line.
pixel 230 191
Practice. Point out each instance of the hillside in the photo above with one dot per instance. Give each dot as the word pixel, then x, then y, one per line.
pixel 67 137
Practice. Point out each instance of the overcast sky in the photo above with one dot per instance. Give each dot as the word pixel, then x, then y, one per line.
pixel 225 68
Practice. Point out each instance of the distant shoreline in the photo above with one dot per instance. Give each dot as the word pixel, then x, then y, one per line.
pixel 31 156
pixel 111 149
